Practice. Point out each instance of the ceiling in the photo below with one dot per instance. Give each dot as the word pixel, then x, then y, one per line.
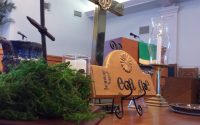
pixel 133 6
pixel 168 2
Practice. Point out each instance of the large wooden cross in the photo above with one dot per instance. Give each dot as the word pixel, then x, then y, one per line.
pixel 42 29
pixel 100 26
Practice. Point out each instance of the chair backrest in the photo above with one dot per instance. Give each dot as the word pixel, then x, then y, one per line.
pixel 188 72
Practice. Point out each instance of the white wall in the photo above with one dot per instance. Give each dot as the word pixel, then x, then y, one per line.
pixel 73 34
pixel 122 26
pixel 24 8
pixel 188 44
pixel 189 34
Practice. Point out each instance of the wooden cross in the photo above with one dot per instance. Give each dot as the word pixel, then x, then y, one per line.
pixel 42 29
pixel 100 26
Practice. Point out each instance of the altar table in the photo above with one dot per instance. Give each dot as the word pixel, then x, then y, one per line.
pixel 151 116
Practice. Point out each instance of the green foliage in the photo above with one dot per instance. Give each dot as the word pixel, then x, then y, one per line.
pixel 5 8
pixel 35 90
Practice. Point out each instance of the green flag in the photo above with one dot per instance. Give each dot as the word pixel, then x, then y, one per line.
pixel 144 55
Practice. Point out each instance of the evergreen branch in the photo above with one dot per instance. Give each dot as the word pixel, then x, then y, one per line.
pixel 35 90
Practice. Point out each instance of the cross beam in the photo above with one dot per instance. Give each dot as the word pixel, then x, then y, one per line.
pixel 100 26
pixel 42 29
pixel 115 8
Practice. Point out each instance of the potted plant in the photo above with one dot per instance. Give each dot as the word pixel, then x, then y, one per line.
pixel 5 8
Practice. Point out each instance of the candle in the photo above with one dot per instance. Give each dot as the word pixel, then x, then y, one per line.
pixel 159 47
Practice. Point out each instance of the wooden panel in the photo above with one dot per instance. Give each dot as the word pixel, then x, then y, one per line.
pixel 152 116
pixel 131 47
pixel 118 69
pixel 188 72
pixel 164 74
pixel 51 59
pixel 181 90
pixel 128 45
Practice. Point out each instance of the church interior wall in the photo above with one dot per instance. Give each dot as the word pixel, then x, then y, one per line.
pixel 74 34
pixel 188 34
pixel 188 30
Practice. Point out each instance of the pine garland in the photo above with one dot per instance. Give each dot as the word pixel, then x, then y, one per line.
pixel 35 90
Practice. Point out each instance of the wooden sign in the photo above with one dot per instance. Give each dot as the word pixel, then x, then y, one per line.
pixel 118 69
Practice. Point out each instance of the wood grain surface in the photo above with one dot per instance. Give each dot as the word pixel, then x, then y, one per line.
pixel 119 68
pixel 151 116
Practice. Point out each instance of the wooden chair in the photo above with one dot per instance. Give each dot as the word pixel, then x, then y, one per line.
pixel 188 72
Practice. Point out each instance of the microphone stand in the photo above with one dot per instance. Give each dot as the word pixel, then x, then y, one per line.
pixel 22 35
pixel 134 35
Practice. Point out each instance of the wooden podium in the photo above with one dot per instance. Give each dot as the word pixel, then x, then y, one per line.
pixel 128 45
